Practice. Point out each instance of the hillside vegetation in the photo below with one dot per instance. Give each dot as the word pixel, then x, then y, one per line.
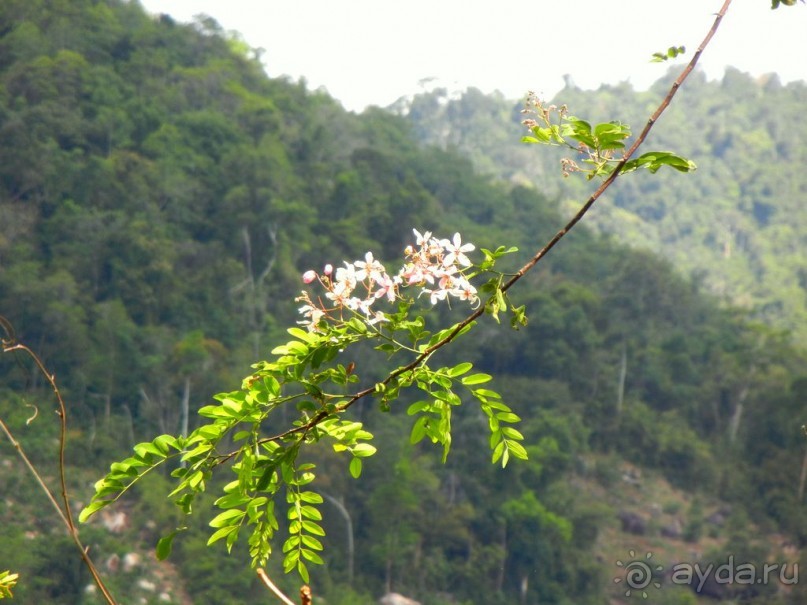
pixel 160 198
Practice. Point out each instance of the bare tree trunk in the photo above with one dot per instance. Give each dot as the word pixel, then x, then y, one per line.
pixel 158 410
pixel 254 300
pixel 525 583
pixel 500 579
pixel 131 424
pixel 736 417
pixel 186 399
pixel 349 530
pixel 623 373
pixel 803 477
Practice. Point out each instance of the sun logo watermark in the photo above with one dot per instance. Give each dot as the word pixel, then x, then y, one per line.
pixel 638 574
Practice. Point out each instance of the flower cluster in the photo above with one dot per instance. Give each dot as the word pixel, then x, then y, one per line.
pixel 435 265
pixel 536 106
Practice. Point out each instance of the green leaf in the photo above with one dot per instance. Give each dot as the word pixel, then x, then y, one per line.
pixel 290 560
pixel 450 397
pixel 654 160
pixel 355 468
pixel 507 417
pixel 519 317
pixel 91 508
pixel 674 51
pixel 358 325
pixel 313 528
pixel 232 500
pixel 580 125
pixel 517 450
pixel 164 442
pixel 185 503
pixel 311 497
pixel 505 458
pixel 298 348
pixel 418 430
pixel 212 411
pixel 498 451
pixel 511 433
pixel 500 299
pixel 196 480
pixel 487 393
pixel 309 512
pixel 418 406
pixel 363 450
pixel 303 335
pixel 142 449
pixel 222 533
pixel 303 571
pixel 312 542
pixel 312 556
pixel 228 517
pixel 476 379
pixel 122 469
pixel 164 545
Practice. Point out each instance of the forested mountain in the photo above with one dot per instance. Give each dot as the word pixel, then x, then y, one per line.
pixel 737 224
pixel 159 200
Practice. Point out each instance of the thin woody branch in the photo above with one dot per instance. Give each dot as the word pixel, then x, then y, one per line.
pixel 275 590
pixel 10 345
pixel 615 174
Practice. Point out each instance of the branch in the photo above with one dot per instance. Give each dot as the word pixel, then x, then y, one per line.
pixel 65 514
pixel 628 154
pixel 424 355
pixel 278 593
pixel 33 470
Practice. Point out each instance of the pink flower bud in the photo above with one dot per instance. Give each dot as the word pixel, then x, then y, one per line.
pixel 328 269
pixel 309 276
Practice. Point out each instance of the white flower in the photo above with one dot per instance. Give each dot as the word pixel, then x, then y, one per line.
pixel 313 315
pixel 436 295
pixel 369 268
pixel 422 240
pixel 456 251
pixel 388 287
pixel 346 278
pixel 463 290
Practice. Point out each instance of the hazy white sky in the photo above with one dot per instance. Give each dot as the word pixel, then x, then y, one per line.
pixel 371 52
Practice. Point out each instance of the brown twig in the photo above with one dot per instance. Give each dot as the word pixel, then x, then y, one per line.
pixel 271 586
pixel 21 453
pixel 9 345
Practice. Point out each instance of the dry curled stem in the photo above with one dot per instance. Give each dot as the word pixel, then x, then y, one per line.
pixel 10 344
